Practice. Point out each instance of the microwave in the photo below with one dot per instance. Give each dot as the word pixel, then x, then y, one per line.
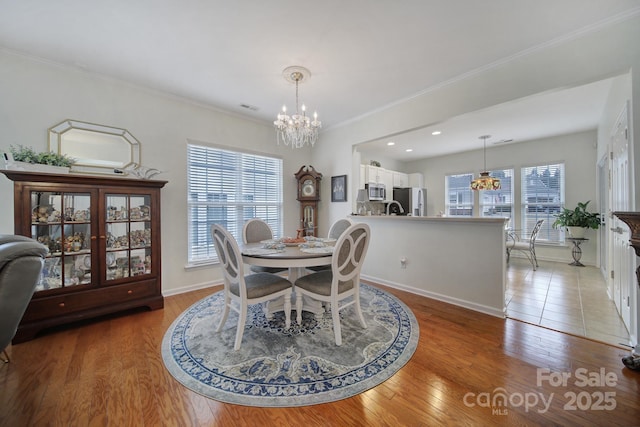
pixel 375 191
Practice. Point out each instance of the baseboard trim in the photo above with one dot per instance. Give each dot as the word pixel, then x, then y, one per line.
pixel 492 311
pixel 194 287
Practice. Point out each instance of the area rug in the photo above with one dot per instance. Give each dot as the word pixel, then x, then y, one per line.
pixel 301 365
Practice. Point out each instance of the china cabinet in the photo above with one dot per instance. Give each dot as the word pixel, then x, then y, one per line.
pixel 103 236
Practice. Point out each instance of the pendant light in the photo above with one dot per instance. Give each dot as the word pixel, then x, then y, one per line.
pixel 484 181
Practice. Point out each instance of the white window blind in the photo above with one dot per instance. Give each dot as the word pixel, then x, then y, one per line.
pixel 542 198
pixel 228 188
pixel 459 200
pixel 498 203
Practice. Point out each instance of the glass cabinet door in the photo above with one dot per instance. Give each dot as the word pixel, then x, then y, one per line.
pixel 62 222
pixel 128 235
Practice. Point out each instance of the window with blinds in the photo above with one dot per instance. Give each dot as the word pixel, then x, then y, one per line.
pixel 459 200
pixel 542 198
pixel 228 188
pixel 498 203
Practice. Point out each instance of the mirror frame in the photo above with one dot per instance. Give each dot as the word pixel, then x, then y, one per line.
pixel 56 139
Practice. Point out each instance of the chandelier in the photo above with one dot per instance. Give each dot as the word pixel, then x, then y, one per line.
pixel 297 130
pixel 484 181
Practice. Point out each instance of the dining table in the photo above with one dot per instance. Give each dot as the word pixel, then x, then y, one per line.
pixel 296 258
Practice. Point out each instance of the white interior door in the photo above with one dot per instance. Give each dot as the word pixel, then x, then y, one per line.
pixel 622 255
pixel 603 208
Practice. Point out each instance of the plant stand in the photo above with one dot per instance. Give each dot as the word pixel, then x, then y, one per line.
pixel 576 252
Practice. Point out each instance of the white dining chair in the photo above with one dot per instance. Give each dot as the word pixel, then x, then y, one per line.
pixel 339 227
pixel 256 230
pixel 240 291
pixel 342 281
pixel 336 230
pixel 527 247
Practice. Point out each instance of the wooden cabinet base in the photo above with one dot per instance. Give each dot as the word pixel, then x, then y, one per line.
pixel 29 330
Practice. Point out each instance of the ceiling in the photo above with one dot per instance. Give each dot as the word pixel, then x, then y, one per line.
pixel 547 114
pixel 364 55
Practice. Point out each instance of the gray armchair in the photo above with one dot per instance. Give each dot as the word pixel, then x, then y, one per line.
pixel 21 260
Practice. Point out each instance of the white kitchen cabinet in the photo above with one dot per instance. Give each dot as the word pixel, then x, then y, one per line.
pixel 400 179
pixel 387 180
pixel 416 180
pixel 374 174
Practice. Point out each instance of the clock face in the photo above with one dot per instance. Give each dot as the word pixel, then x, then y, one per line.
pixel 308 188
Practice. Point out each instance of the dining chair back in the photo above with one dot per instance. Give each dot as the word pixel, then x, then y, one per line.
pixel 342 281
pixel 336 230
pixel 256 230
pixel 526 247
pixel 240 291
pixel 339 227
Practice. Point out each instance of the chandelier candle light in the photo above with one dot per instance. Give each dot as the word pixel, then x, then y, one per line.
pixel 484 181
pixel 297 130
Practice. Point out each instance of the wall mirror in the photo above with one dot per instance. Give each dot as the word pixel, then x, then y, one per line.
pixel 96 148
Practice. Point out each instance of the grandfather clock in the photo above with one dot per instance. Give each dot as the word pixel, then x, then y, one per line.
pixel 308 195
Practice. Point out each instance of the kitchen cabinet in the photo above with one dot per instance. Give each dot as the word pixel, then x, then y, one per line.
pixel 400 179
pixel 103 236
pixel 387 180
pixel 416 180
pixel 374 174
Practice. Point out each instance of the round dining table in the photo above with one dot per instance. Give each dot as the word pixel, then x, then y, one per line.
pixel 296 259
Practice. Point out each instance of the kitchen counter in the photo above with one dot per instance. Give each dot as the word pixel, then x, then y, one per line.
pixel 460 260
pixel 431 218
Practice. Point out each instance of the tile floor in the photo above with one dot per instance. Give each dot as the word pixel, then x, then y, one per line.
pixel 565 298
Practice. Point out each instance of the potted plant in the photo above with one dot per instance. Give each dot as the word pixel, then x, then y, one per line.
pixel 578 220
pixel 26 158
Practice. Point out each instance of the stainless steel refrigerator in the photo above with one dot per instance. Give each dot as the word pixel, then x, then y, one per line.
pixel 412 199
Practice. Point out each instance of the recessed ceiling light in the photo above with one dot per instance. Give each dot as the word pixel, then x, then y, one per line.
pixel 436 132
pixel 391 143
pixel 408 150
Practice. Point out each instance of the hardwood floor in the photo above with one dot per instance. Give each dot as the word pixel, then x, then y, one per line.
pixel 110 373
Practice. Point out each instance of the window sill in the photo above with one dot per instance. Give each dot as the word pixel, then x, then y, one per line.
pixel 197 265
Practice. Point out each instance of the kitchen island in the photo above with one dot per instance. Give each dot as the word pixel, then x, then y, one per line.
pixel 459 260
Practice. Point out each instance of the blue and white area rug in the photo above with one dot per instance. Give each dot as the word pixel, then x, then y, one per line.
pixel 278 367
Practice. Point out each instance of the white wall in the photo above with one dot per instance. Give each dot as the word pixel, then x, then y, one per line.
pixel 37 95
pixel 441 257
pixel 577 151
